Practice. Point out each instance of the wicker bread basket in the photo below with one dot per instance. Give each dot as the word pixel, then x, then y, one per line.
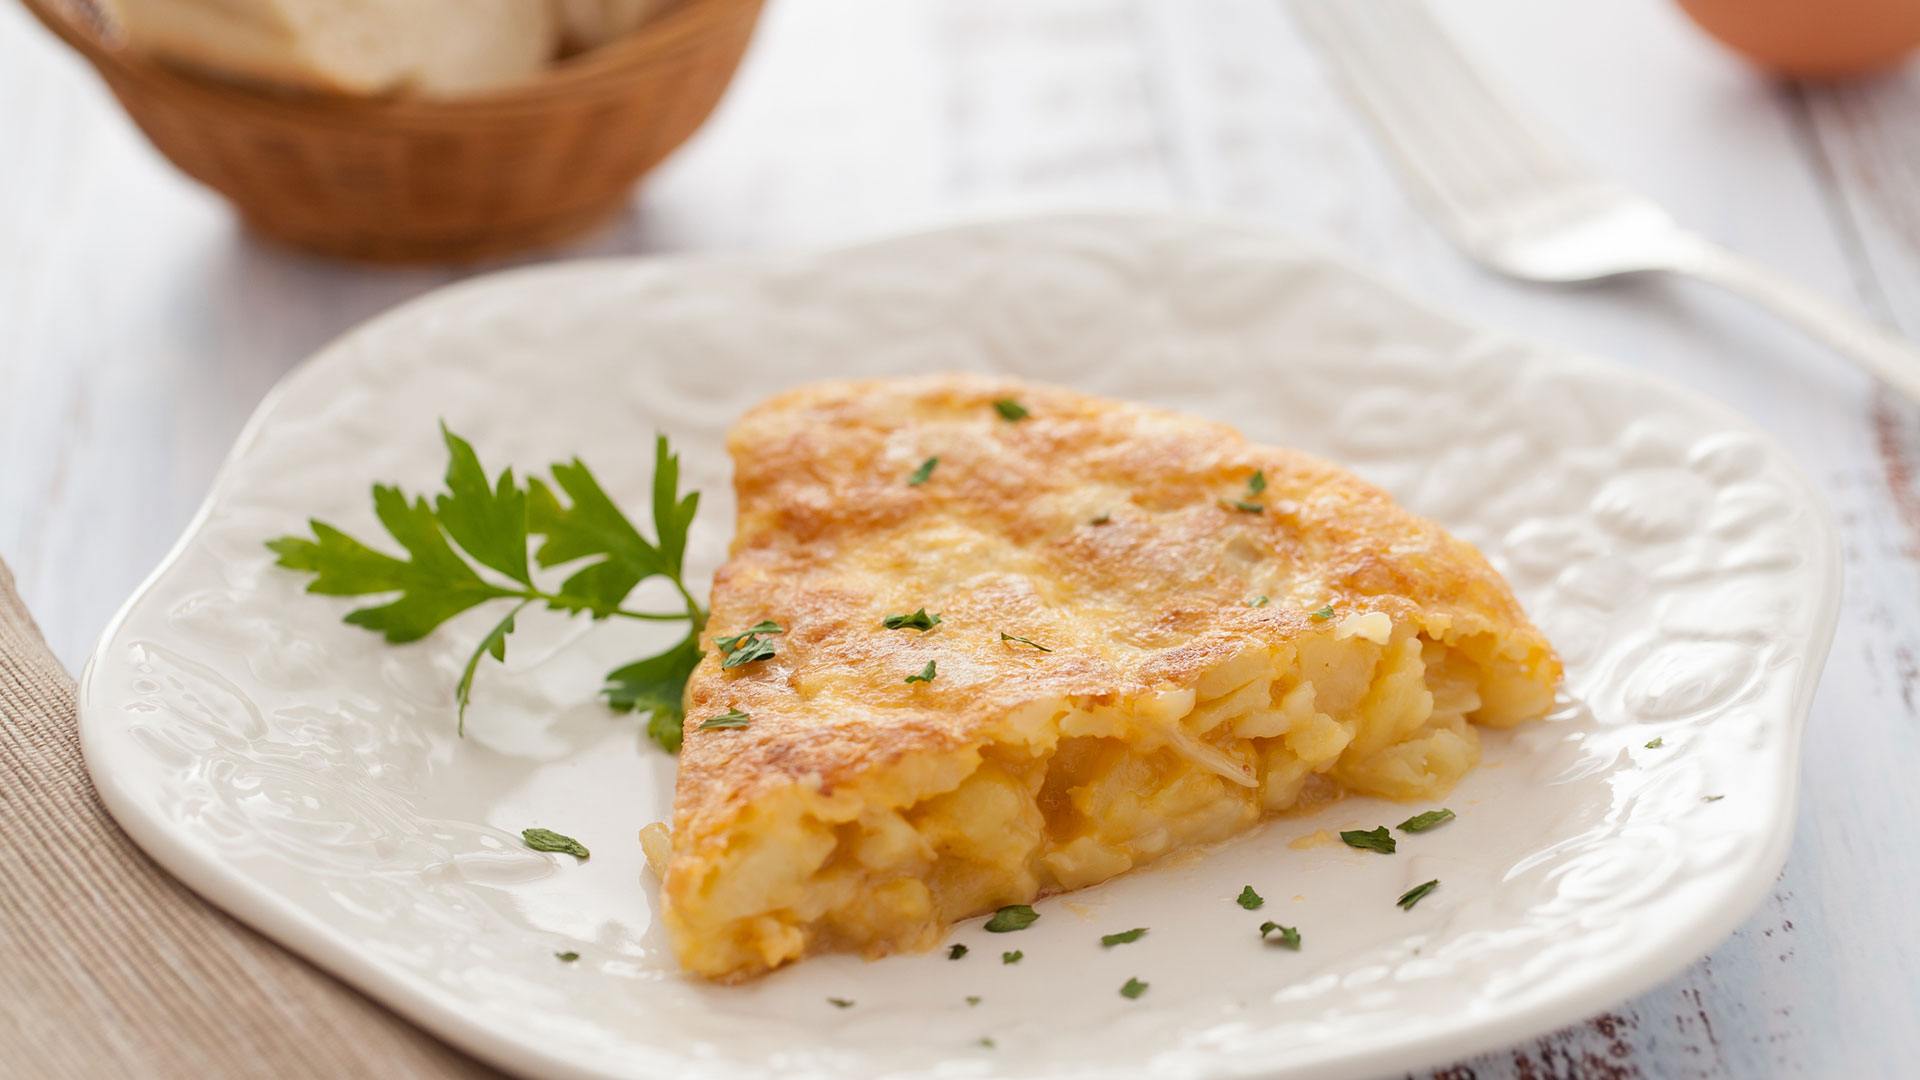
pixel 406 180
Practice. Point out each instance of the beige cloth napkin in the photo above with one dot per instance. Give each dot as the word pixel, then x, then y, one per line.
pixel 111 968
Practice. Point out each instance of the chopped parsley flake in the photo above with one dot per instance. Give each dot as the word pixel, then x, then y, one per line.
pixel 1379 839
pixel 1133 989
pixel 1249 899
pixel 926 674
pixel 919 620
pixel 986 1042
pixel 548 840
pixel 1006 637
pixel 973 999
pixel 567 957
pixel 1123 937
pixel 1423 822
pixel 1289 936
pixel 747 646
pixel 1258 601
pixel 1323 614
pixel 957 951
pixel 1105 516
pixel 1712 798
pixel 840 1003
pixel 1243 506
pixel 1010 409
pixel 924 472
pixel 1412 896
pixel 1012 917
pixel 1656 743
pixel 1257 483
pixel 1011 957
pixel 732 718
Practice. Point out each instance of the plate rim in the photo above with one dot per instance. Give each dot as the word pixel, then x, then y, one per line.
pixel 414 1000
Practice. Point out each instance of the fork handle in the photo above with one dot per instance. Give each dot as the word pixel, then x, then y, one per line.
pixel 1894 359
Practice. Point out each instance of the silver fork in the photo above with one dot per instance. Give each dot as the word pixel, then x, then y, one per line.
pixel 1522 204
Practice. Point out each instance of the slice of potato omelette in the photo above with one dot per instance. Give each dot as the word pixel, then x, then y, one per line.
pixel 1030 639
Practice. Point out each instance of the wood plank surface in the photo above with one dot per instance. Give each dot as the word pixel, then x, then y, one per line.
pixel 139 326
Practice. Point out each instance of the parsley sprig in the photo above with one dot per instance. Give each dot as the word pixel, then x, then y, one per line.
pixel 470 546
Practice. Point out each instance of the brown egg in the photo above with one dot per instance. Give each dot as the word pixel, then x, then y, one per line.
pixel 1813 39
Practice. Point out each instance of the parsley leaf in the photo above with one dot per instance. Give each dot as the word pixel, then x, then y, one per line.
pixel 1656 743
pixel 919 620
pixel 1323 614
pixel 434 583
pixel 1123 937
pixel 566 957
pixel 1711 798
pixel 656 686
pixel 494 643
pixel 672 515
pixel 732 718
pixel 489 523
pixel 591 527
pixel 1428 820
pixel 1011 957
pixel 732 642
pixel 1412 896
pixel 1249 899
pixel 1010 409
pixel 548 840
pixel 973 999
pixel 1243 506
pixel 986 1042
pixel 926 674
pixel 1258 601
pixel 957 951
pixel 747 646
pixel 1257 483
pixel 925 472
pixel 752 650
pixel 1006 637
pixel 1012 917
pixel 1379 839
pixel 1133 989
pixel 1105 517
pixel 1289 936
pixel 486 521
pixel 840 1003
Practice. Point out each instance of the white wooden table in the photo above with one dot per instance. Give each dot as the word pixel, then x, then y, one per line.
pixel 139 326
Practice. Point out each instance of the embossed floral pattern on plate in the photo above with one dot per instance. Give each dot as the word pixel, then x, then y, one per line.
pixel 308 778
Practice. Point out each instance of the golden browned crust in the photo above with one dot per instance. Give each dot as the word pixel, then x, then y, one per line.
pixel 1001 539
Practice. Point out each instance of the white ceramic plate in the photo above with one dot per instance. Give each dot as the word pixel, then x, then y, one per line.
pixel 307 777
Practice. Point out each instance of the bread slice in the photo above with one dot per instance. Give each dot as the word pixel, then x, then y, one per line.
pixel 368 47
pixel 1151 634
